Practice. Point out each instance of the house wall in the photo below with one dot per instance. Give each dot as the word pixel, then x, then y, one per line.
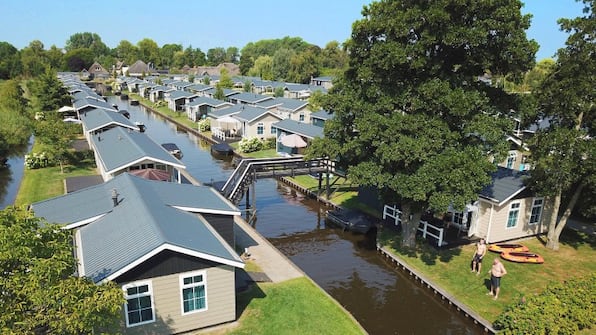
pixel 497 230
pixel 167 302
pixel 250 129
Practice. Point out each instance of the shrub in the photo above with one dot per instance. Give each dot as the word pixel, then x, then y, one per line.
pixel 204 125
pixel 250 145
pixel 37 160
pixel 563 308
pixel 270 143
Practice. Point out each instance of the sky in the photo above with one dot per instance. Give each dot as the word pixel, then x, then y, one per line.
pixel 207 24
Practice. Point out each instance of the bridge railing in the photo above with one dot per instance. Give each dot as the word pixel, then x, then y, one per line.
pixel 242 173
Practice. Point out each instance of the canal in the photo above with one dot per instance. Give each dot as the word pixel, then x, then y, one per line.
pixel 383 299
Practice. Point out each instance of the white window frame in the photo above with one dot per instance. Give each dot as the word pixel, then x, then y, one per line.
pixel 183 286
pixel 148 293
pixel 301 117
pixel 261 128
pixel 514 207
pixel 511 159
pixel 540 207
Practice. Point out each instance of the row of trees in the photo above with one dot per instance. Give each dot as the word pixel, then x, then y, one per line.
pixel 287 59
pixel 413 120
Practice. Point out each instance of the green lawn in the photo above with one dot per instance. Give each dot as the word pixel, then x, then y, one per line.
pixel 41 184
pixel 295 306
pixel 450 269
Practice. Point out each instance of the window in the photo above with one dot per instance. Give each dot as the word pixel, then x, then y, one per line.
pixel 513 214
pixel 260 128
pixel 536 210
pixel 458 217
pixel 273 130
pixel 511 160
pixel 139 304
pixel 194 297
pixel 301 117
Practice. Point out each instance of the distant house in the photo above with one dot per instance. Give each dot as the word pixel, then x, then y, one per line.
pixel 177 99
pixel 256 122
pixel 326 82
pixel 158 93
pixel 320 117
pixel 84 104
pixel 233 70
pixel 98 120
pixel 288 108
pixel 301 91
pixel 98 72
pixel 118 150
pixel 506 209
pixel 248 98
pixel 140 69
pixel 201 106
pixel 304 133
pixel 161 243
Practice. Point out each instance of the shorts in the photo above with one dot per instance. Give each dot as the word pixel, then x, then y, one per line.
pixel 495 281
pixel 477 258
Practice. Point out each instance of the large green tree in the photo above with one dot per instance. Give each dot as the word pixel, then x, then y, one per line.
pixel 10 62
pixel 148 51
pixel 411 117
pixel 564 154
pixel 78 59
pixel 48 92
pixel 15 122
pixel 87 40
pixel 33 59
pixel 40 294
pixel 127 52
pixel 216 56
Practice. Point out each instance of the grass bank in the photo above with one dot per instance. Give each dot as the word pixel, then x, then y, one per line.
pixel 295 306
pixel 450 269
pixel 45 183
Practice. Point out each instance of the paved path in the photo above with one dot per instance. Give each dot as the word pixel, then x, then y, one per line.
pixel 271 261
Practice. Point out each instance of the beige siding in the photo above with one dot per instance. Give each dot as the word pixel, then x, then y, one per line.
pixel 221 304
pixel 251 129
pixel 498 225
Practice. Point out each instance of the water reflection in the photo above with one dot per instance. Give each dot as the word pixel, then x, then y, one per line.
pixel 12 173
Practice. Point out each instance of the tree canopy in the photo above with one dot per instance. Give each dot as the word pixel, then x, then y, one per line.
pixel 40 294
pixel 564 154
pixel 411 117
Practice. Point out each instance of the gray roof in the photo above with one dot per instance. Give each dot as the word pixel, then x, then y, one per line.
pixel 85 102
pixel 178 94
pixel 322 114
pixel 208 101
pixel 86 93
pixel 295 127
pixel 232 110
pixel 151 216
pixel 291 104
pixel 117 148
pixel 198 87
pixel 250 113
pixel 161 88
pixel 506 184
pixel 98 118
pixel 250 98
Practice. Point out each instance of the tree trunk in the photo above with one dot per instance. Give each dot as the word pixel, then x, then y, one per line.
pixel 409 222
pixel 555 230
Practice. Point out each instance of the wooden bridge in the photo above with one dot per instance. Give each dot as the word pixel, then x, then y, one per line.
pixel 249 170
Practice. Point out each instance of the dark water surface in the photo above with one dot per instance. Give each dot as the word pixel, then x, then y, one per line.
pixel 383 299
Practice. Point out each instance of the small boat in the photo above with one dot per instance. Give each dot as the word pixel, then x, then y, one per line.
pixel 115 106
pixel 350 220
pixel 123 97
pixel 522 257
pixel 508 247
pixel 134 102
pixel 141 126
pixel 222 149
pixel 173 149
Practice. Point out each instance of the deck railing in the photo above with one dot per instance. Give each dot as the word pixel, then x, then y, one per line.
pixel 425 227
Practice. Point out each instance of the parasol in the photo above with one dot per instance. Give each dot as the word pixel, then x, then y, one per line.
pixel 293 141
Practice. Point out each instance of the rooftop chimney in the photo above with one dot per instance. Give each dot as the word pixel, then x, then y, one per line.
pixel 115 197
